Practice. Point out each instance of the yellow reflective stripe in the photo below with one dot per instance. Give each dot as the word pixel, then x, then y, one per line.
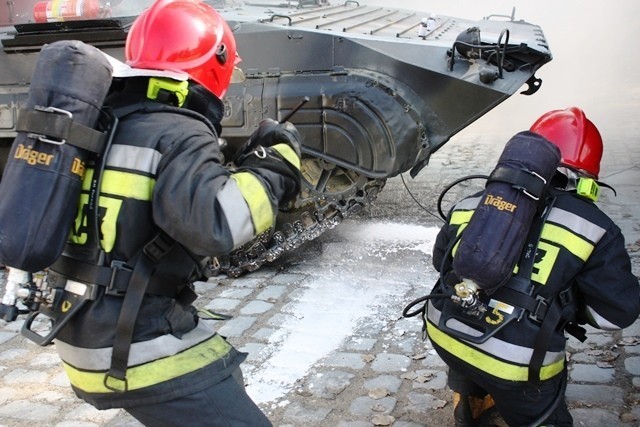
pixel 460 230
pixel 288 153
pixel 155 372
pixel 127 185
pixel 255 194
pixel 108 226
pixel 573 243
pixel 486 363
pixel 460 217
pixel 123 184
pixel 86 181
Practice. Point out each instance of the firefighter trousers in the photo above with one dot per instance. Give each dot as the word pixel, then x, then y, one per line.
pixel 518 403
pixel 225 404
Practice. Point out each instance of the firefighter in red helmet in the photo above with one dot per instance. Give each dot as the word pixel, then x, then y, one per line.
pixel 168 201
pixel 580 274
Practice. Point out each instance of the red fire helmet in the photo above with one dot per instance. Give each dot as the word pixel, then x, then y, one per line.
pixel 577 137
pixel 184 35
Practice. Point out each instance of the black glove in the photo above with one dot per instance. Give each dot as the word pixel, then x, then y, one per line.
pixel 278 165
pixel 270 133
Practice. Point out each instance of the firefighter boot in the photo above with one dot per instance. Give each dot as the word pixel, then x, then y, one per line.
pixel 462 415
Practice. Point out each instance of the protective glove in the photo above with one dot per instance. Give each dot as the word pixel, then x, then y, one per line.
pixel 278 165
pixel 270 133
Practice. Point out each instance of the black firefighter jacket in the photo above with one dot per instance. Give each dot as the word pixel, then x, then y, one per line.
pixel 164 172
pixel 579 248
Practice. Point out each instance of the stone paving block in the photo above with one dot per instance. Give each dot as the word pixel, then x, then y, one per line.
pixel 595 417
pixel 287 279
pixel 271 293
pixel 420 402
pixel 359 344
pixel 6 336
pixel 256 307
pixel 223 304
pixel 236 326
pixel 301 415
pixel 235 293
pixel 595 394
pixel 254 350
pixel 632 365
pixel 263 334
pixel 22 376
pixel 591 373
pixel 366 406
pixel 345 360
pixel 328 385
pixel 389 382
pixel 28 411
pixel 386 362
pixel 430 379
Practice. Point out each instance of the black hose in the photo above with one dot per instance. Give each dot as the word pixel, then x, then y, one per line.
pixel 453 184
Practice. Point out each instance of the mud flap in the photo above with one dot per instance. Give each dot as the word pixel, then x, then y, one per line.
pixel 41 184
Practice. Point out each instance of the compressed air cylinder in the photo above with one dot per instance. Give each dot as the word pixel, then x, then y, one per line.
pixel 41 183
pixel 491 243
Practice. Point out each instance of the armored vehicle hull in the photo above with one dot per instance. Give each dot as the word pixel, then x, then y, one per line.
pixel 386 88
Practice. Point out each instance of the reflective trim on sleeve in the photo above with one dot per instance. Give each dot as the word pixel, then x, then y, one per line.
pixel 99 359
pixel 602 323
pixel 136 158
pixel 155 372
pixel 236 211
pixel 565 238
pixel 577 224
pixel 496 357
pixel 255 194
pixel 288 153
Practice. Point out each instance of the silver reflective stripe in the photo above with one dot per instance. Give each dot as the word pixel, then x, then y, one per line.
pixel 498 348
pixel 468 204
pixel 576 224
pixel 602 323
pixel 134 158
pixel 237 213
pixel 99 359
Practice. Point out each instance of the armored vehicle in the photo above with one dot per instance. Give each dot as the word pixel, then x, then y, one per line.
pixel 374 90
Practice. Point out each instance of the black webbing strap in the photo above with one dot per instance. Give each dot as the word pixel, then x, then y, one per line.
pixel 55 124
pixel 116 378
pixel 115 278
pixel 518 292
pixel 555 314
pixel 522 179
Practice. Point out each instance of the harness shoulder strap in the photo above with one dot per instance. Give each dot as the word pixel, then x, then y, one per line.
pixel 152 253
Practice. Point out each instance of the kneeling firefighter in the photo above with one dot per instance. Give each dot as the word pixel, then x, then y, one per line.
pixel 520 263
pixel 131 337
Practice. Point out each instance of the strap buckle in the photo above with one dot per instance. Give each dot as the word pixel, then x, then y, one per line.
pixel 540 311
pixel 47 138
pixel 157 248
pixel 111 289
pixel 110 379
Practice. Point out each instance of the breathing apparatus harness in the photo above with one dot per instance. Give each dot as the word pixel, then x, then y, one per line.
pixel 466 302
pixel 60 292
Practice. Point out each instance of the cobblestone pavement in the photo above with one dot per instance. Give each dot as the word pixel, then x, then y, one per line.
pixel 381 373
